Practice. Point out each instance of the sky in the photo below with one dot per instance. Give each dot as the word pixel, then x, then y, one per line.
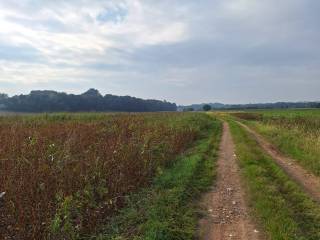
pixel 183 51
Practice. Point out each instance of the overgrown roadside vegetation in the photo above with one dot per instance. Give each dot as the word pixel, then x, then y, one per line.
pixel 64 175
pixel 295 133
pixel 168 209
pixel 283 209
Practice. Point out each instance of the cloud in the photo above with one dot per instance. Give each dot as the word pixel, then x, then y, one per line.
pixel 182 50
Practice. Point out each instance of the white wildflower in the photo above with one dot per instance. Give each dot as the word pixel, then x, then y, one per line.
pixel 51 157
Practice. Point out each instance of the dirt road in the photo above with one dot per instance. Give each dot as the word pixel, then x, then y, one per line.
pixel 227 213
pixel 309 182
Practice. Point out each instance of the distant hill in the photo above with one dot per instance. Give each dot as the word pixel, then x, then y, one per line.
pixel 91 100
pixel 277 105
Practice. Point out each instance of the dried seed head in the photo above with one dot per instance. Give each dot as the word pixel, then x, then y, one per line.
pixel 2 194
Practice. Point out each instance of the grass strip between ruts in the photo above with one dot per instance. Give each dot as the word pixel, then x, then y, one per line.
pixel 284 210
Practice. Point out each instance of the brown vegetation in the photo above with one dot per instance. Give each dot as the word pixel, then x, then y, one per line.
pixel 62 178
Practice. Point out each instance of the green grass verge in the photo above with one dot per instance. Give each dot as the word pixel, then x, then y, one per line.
pixel 295 132
pixel 303 147
pixel 168 209
pixel 289 113
pixel 284 210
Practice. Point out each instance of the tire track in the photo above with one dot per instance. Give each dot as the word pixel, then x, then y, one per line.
pixel 227 212
pixel 308 181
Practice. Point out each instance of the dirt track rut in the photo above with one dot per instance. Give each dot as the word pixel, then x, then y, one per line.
pixel 309 182
pixel 227 213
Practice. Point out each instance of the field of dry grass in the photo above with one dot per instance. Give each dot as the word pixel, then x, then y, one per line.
pixel 62 175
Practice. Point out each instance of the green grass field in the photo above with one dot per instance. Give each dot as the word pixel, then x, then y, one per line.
pixel 295 132
pixel 283 209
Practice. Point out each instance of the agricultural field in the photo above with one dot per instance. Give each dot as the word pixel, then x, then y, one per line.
pixel 277 152
pixel 282 208
pixel 161 176
pixel 85 176
pixel 296 133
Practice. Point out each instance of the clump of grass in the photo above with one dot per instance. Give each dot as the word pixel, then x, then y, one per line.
pixel 64 174
pixel 247 115
pixel 283 209
pixel 166 210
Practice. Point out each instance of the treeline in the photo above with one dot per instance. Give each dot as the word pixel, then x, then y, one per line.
pixel 92 100
pixel 277 105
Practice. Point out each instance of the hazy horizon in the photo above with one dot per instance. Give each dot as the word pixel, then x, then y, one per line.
pixel 187 52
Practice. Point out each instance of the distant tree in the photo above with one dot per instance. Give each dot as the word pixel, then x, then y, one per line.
pixel 3 99
pixel 189 109
pixel 277 105
pixel 206 107
pixel 3 96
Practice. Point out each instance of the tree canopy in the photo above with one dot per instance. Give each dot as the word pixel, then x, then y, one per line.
pixel 91 100
pixel 206 107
